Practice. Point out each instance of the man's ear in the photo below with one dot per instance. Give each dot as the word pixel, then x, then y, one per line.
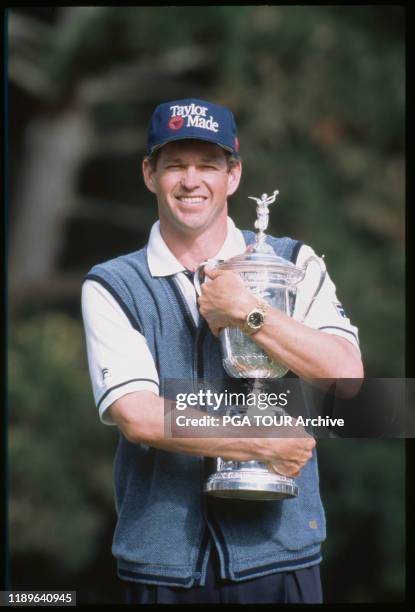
pixel 148 175
pixel 234 177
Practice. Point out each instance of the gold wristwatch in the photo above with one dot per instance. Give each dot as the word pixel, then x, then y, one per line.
pixel 255 319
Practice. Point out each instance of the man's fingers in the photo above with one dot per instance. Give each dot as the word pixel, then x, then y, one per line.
pixel 213 273
pixel 277 470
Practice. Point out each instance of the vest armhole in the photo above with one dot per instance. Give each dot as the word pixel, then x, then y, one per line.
pixel 296 249
pixel 111 290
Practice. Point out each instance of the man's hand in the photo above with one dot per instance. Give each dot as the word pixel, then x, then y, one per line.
pixel 287 454
pixel 291 454
pixel 225 300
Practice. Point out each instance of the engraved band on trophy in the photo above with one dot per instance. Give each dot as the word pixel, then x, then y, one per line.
pixel 274 280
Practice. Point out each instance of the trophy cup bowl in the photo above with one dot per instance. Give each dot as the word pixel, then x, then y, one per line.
pixel 274 280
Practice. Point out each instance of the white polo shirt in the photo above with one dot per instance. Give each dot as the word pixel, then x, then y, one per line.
pixel 118 354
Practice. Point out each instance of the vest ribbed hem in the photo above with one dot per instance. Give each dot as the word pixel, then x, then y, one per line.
pixel 126 571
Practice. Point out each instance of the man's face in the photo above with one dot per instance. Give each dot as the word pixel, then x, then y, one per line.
pixel 192 182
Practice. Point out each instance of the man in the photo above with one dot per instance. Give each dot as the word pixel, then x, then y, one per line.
pixel 173 544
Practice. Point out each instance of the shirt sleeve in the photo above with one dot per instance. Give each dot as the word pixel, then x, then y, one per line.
pixel 119 359
pixel 326 312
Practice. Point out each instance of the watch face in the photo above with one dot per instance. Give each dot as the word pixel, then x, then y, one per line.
pixel 255 319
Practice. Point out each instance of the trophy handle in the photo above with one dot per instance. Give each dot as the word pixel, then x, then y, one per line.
pixel 199 276
pixel 323 271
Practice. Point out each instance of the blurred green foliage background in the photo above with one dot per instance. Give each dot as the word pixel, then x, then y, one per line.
pixel 319 97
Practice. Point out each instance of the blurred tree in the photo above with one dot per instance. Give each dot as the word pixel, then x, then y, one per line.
pixel 363 490
pixel 59 454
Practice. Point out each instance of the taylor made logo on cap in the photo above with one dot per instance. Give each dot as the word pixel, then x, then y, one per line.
pixel 191 116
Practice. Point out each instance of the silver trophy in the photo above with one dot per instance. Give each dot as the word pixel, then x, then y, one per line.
pixel 275 280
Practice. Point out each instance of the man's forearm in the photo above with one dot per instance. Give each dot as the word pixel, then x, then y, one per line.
pixel 308 352
pixel 140 417
pixel 311 354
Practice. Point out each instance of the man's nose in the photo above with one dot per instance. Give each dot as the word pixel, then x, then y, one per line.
pixel 190 178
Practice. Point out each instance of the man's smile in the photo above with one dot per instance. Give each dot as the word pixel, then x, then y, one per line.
pixel 191 199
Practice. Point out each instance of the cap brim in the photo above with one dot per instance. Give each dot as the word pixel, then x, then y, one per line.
pixel 175 138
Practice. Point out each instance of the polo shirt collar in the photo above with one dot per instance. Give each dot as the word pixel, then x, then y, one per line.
pixel 162 262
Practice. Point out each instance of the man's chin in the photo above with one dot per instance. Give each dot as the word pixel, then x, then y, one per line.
pixel 193 229
pixel 194 225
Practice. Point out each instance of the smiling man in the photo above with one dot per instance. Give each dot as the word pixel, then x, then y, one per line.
pixel 192 181
pixel 144 324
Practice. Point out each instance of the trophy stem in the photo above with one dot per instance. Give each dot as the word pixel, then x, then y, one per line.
pixel 249 479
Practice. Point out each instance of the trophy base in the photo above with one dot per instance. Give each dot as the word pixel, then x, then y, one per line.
pixel 245 484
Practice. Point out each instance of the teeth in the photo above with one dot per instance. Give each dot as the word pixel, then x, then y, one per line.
pixel 191 200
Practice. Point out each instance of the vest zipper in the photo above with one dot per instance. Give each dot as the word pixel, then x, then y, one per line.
pixel 201 557
pixel 216 534
pixel 199 339
pixel 184 305
pixel 199 334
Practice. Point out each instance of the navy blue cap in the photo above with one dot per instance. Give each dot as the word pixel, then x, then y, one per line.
pixel 192 119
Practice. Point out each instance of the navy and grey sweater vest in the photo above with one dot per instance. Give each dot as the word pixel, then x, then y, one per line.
pixel 164 520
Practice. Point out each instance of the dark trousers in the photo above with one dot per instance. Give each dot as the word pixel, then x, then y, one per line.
pixel 299 586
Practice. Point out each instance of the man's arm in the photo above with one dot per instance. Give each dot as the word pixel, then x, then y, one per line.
pixel 309 353
pixel 114 346
pixel 119 359
pixel 140 418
